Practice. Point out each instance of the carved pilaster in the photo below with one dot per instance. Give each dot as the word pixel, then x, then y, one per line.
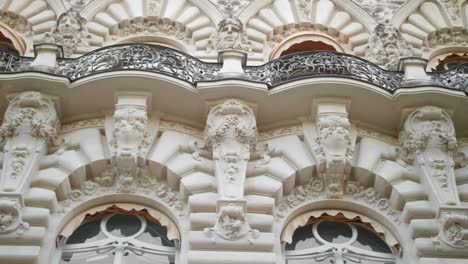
pixel 428 143
pixel 128 145
pixel 230 131
pixel 30 124
pixel 333 146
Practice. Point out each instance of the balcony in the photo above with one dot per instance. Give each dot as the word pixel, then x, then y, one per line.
pixel 163 60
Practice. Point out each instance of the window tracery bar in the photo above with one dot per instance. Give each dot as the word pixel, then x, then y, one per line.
pixel 167 61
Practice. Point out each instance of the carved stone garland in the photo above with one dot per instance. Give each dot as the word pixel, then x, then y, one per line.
pixel 428 143
pixel 353 191
pixel 105 183
pixel 230 131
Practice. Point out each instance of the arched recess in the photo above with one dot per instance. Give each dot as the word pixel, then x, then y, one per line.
pixel 182 21
pixel 28 18
pixel 79 172
pixel 342 21
pixel 423 23
pixel 285 174
pixel 12 38
pixel 64 224
pixel 393 233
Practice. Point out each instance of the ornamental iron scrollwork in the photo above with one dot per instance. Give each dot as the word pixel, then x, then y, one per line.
pixel 454 78
pixel 10 62
pixel 143 57
pixel 309 64
pixel 167 61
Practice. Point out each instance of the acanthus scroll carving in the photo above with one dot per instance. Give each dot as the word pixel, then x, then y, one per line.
pixel 428 142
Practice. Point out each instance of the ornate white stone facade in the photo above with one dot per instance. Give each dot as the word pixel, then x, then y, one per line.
pixel 229 146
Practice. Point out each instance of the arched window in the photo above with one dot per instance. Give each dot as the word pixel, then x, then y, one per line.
pixel 119 236
pixel 338 240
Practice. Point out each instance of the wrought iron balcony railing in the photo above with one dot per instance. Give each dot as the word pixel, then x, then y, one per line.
pixel 167 61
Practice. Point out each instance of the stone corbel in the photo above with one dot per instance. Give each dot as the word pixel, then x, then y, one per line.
pixel 30 125
pixel 129 140
pixel 334 145
pixel 231 130
pixel 428 144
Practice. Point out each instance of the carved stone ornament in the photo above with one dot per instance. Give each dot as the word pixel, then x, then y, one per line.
pixel 231 223
pixel 30 124
pixel 453 8
pixel 231 7
pixel 143 182
pixel 230 131
pixel 71 33
pixel 31 113
pixel 386 47
pixel 353 191
pixel 428 142
pixel 16 22
pixel 454 231
pixel 230 35
pixel 447 37
pixel 334 152
pixel 130 143
pixel 10 217
pixel 150 26
pixel 231 120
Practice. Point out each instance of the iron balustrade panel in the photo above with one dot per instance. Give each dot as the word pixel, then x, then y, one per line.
pixel 10 62
pixel 143 57
pixel 318 64
pixel 454 78
pixel 167 61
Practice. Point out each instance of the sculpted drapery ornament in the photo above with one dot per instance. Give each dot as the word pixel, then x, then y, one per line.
pixel 30 124
pixel 428 142
pixel 333 147
pixel 230 131
pixel 230 35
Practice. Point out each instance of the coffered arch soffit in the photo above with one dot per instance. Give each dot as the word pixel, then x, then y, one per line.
pixel 343 21
pixel 30 17
pixel 430 25
pixel 188 23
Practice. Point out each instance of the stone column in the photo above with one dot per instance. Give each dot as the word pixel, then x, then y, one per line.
pixel 30 125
